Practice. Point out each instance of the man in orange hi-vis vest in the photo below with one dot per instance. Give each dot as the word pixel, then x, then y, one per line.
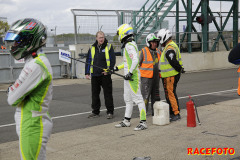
pixel 149 68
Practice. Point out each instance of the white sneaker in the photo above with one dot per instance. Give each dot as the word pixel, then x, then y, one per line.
pixel 124 123
pixel 141 126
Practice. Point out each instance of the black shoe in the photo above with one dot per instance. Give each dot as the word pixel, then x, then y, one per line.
pixel 174 117
pixel 109 116
pixel 93 115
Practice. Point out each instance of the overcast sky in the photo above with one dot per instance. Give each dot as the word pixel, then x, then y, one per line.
pixel 58 12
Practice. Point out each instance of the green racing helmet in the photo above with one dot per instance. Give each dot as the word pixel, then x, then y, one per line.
pixel 25 36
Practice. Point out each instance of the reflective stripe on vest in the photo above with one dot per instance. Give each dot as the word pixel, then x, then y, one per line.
pixel 107 48
pixel 146 67
pixel 238 81
pixel 166 69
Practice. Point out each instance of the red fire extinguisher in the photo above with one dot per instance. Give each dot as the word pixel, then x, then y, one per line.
pixel 191 120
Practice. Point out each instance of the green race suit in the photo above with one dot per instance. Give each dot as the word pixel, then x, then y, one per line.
pixel 31 94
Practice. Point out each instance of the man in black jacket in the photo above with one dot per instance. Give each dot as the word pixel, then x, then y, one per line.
pixel 100 54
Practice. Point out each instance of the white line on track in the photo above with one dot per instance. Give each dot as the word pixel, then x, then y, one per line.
pixel 204 94
pixel 83 113
pixel 7 125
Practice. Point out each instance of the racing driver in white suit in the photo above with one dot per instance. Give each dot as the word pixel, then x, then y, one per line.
pixel 32 91
pixel 132 92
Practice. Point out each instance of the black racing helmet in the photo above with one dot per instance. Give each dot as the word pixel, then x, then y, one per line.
pixel 25 36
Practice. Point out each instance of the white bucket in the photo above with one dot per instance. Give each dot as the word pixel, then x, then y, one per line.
pixel 161 113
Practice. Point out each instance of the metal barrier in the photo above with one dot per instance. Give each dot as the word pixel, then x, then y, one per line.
pixel 10 70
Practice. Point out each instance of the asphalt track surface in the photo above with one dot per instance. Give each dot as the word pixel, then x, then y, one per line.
pixel 71 104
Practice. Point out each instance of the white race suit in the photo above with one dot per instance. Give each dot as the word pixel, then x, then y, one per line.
pixel 32 93
pixel 132 92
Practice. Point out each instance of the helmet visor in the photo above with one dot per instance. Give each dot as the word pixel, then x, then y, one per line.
pixel 14 42
pixel 10 36
pixel 13 47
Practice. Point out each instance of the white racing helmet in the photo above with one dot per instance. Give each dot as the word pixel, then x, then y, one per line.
pixel 163 35
pixel 150 38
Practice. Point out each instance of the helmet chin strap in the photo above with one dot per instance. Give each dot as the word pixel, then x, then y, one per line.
pixel 126 40
pixel 164 44
pixel 34 54
pixel 29 48
pixel 150 45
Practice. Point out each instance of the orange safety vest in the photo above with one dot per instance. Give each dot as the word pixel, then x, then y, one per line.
pixel 146 67
pixel 238 81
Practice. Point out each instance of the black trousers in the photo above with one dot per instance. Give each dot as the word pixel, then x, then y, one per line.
pixel 106 83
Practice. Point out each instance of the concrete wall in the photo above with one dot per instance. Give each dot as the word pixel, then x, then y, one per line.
pixel 192 62
pixel 199 61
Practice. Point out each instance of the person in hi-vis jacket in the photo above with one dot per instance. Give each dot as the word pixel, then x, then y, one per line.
pixel 132 92
pixel 100 54
pixel 32 91
pixel 149 69
pixel 171 68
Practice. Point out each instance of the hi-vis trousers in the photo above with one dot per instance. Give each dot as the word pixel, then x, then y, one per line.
pixel 170 85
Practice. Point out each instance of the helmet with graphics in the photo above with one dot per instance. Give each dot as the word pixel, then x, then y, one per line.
pixel 163 35
pixel 151 38
pixel 25 36
pixel 123 31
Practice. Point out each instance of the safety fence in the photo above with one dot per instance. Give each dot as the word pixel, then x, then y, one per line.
pixel 196 41
pixel 10 68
